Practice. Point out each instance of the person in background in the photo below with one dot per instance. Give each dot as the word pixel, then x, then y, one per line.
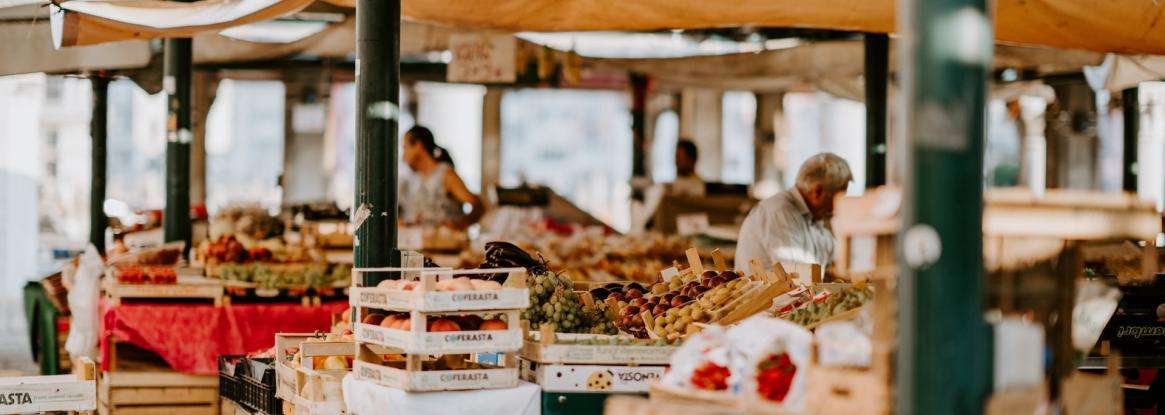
pixel 794 225
pixel 687 183
pixel 434 194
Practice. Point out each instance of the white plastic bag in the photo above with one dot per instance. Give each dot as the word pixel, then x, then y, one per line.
pixel 760 338
pixel 699 353
pixel 83 300
pixel 1095 304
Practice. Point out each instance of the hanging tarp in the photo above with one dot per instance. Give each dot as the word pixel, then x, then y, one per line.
pixel 336 41
pixel 78 23
pixel 26 47
pixel 1125 26
pixel 1119 72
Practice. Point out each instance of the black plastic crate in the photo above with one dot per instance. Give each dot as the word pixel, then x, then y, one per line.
pixel 249 382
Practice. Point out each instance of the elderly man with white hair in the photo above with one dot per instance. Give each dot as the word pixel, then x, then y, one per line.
pixel 793 225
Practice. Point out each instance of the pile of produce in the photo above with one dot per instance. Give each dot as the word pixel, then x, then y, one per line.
pixel 301 276
pixel 676 304
pixel 809 310
pixel 593 255
pixel 141 274
pixel 269 263
pixel 554 302
pixel 155 265
pixel 466 322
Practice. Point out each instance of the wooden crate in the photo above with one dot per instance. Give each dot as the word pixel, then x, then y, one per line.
pixel 408 375
pixel 512 295
pixel 157 393
pixel 75 392
pixel 186 289
pixel 419 340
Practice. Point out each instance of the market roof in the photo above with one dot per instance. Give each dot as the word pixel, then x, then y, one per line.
pixel 1121 26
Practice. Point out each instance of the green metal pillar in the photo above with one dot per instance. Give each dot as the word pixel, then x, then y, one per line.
pixel 97 133
pixel 1130 105
pixel 638 125
pixel 177 71
pixel 944 356
pixel 877 70
pixel 377 100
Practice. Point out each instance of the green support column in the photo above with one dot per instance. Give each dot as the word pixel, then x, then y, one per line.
pixel 378 97
pixel 97 133
pixel 944 355
pixel 1130 106
pixel 638 125
pixel 877 69
pixel 177 71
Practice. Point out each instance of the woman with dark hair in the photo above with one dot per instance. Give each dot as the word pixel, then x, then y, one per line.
pixel 434 194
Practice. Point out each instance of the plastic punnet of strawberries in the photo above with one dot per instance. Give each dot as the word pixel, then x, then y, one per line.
pixel 710 376
pixel 775 376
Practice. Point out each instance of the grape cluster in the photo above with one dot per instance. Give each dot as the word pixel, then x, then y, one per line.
pixel 554 302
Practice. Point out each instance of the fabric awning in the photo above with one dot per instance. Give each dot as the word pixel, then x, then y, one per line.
pixel 1122 26
pixel 1119 26
pixel 78 23
pixel 27 47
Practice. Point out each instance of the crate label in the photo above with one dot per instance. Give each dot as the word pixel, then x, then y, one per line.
pixel 464 379
pixel 47 393
pixel 367 297
pixel 475 300
pixel 368 373
pixel 1137 332
pixel 592 378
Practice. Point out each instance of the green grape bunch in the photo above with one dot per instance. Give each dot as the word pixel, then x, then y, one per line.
pixel 554 302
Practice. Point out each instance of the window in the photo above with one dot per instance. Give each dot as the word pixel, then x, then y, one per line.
pixel 738 128
pixel 244 144
pixel 819 122
pixel 136 147
pixel 453 113
pixel 340 138
pixel 665 135
pixel 576 142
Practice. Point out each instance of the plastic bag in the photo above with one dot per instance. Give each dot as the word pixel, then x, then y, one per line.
pixel 773 356
pixel 843 343
pixel 83 301
pixel 702 362
pixel 1095 303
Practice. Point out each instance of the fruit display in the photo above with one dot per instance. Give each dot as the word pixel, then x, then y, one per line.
pixel 824 305
pixel 141 274
pixel 553 301
pixel 239 249
pixel 300 275
pixel 593 255
pixel 675 304
pixel 680 317
pixel 156 265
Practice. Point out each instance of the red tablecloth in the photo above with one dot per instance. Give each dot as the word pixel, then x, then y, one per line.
pixel 190 337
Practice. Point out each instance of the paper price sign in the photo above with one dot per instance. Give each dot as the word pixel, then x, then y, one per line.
pixel 482 58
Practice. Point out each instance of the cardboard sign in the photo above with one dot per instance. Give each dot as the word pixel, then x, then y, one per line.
pixel 482 58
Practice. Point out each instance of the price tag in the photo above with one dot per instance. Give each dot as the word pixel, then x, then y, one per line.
pixel 410 238
pixel 692 224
